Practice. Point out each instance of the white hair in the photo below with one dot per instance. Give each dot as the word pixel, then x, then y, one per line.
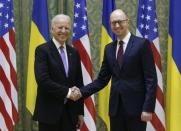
pixel 59 17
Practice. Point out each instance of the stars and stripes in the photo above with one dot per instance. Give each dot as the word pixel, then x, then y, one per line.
pixel 147 27
pixel 8 80
pixel 82 44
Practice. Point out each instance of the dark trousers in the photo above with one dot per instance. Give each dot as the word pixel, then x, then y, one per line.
pixel 65 124
pixel 123 122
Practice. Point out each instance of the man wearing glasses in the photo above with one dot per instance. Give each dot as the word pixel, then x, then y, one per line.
pixel 129 61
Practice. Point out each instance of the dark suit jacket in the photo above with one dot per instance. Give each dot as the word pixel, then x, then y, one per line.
pixel 134 83
pixel 53 84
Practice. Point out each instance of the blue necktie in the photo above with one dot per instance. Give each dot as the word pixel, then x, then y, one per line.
pixel 62 54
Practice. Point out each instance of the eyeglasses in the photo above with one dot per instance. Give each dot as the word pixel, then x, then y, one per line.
pixel 120 22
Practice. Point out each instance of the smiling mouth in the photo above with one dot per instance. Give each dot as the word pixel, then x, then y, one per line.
pixel 61 35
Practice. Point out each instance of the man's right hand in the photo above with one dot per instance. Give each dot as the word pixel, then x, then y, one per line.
pixel 75 93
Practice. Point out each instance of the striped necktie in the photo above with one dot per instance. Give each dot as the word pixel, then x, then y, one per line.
pixel 120 53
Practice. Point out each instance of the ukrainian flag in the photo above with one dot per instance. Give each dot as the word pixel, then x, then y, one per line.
pixel 39 34
pixel 106 37
pixel 173 103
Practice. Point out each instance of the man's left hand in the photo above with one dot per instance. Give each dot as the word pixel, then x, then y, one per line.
pixel 146 116
pixel 80 121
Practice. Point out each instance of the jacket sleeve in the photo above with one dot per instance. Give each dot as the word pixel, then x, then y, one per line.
pixel 102 80
pixel 150 77
pixel 79 84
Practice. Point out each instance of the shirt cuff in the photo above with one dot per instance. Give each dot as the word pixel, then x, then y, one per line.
pixel 69 93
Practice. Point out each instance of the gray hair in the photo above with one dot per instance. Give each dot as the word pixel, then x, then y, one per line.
pixel 59 17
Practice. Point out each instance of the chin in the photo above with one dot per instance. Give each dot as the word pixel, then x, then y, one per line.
pixel 62 39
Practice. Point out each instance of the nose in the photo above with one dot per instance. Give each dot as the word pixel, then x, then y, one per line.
pixel 63 29
pixel 117 24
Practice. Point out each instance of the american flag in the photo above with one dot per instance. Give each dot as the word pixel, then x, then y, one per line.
pixel 8 83
pixel 82 44
pixel 147 27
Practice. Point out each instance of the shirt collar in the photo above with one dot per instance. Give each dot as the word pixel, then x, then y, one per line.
pixel 126 38
pixel 57 44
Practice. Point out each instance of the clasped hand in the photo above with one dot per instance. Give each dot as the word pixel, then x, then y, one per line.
pixel 75 93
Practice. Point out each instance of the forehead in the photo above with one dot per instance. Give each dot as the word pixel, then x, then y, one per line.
pixel 118 15
pixel 60 19
pixel 62 22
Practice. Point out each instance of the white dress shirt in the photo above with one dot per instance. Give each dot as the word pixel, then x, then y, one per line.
pixel 58 45
pixel 125 43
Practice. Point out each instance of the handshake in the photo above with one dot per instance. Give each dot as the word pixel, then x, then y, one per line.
pixel 74 94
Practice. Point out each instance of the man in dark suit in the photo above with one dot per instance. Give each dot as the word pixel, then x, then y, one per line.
pixel 57 69
pixel 129 61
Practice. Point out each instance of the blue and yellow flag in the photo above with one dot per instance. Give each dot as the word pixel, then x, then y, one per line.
pixel 39 34
pixel 173 104
pixel 106 37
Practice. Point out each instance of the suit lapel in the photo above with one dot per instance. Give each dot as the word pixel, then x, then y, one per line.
pixel 57 56
pixel 70 61
pixel 128 49
pixel 116 68
pixel 113 51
